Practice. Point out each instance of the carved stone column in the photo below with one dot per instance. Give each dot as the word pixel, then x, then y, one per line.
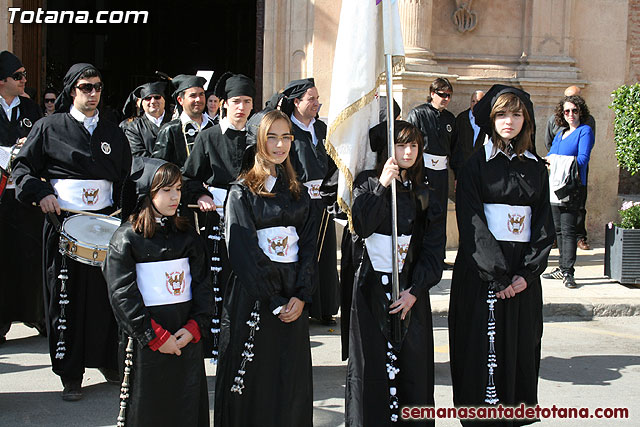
pixel 416 18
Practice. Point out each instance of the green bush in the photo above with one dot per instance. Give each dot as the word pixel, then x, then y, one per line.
pixel 626 105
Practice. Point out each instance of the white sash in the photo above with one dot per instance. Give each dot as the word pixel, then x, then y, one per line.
pixel 280 244
pixel 313 186
pixel 437 163
pixel 164 282
pixel 508 223
pixel 379 251
pixel 219 196
pixel 83 194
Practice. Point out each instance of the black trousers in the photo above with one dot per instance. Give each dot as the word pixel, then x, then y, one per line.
pixel 581 230
pixel 565 220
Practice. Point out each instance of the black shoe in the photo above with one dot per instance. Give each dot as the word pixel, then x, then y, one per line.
pixel 569 281
pixel 553 274
pixel 72 390
pixel 447 266
pixel 3 340
pixel 111 375
pixel 328 321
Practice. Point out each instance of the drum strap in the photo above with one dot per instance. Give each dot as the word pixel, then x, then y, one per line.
pixel 63 301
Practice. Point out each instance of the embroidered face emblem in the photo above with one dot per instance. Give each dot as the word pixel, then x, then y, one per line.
pixel 105 147
pixel 434 162
pixel 402 254
pixel 175 282
pixel 314 191
pixel 516 223
pixel 278 246
pixel 90 196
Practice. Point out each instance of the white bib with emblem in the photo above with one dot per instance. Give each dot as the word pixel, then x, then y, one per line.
pixel 280 244
pixel 164 282
pixel 379 251
pixel 314 188
pixel 219 196
pixel 83 194
pixel 508 223
pixel 437 163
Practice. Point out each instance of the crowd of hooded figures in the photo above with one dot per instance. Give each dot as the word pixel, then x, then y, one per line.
pixel 226 248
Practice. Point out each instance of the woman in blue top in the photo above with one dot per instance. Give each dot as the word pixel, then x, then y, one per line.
pixel 574 141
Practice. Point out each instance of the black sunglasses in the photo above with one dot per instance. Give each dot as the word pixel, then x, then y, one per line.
pixel 148 98
pixel 89 87
pixel 575 111
pixel 19 75
pixel 443 94
pixel 46 100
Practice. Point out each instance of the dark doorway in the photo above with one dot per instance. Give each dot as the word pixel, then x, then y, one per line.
pixel 178 38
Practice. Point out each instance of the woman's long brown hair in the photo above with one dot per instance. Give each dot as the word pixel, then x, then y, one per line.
pixel 509 102
pixel 144 220
pixel 256 177
pixel 406 133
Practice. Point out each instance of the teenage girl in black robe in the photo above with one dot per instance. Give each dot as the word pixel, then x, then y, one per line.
pixel 264 370
pixel 506 232
pixel 386 373
pixel 157 276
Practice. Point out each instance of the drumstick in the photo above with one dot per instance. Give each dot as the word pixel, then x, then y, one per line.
pixel 198 206
pixel 74 211
pixel 115 213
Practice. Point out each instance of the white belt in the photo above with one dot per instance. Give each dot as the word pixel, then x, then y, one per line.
pixel 379 251
pixel 314 188
pixel 164 282
pixel 508 223
pixel 280 244
pixel 219 196
pixel 83 194
pixel 437 163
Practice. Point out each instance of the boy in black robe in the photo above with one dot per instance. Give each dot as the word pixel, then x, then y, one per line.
pixel 65 154
pixel 20 226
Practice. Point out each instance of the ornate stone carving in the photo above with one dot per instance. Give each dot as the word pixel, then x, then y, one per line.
pixel 463 18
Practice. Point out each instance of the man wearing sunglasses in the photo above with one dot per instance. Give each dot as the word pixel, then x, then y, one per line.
pixel 75 160
pixel 20 227
pixel 141 128
pixel 175 139
pixel 437 125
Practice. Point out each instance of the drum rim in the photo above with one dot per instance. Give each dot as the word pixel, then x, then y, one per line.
pixel 73 239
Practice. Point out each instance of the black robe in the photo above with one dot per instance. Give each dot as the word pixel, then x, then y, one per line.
pixel 142 133
pixel 215 161
pixel 278 385
pixel 171 142
pixel 368 383
pixel 310 163
pixel 485 264
pixel 437 128
pixel 165 389
pixel 21 236
pixel 60 147
pixel 463 142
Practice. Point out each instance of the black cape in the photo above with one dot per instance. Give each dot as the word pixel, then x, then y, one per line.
pixel 160 381
pixel 278 385
pixel 483 264
pixel 310 163
pixel 60 147
pixel 171 142
pixel 368 383
pixel 142 134
pixel 21 232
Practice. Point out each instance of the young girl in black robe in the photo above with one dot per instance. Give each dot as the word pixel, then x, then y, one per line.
pixel 506 233
pixel 157 276
pixel 264 371
pixel 385 372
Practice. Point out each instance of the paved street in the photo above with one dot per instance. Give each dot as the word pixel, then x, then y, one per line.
pixel 587 361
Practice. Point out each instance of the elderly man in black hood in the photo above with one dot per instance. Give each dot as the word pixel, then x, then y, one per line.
pixel 75 160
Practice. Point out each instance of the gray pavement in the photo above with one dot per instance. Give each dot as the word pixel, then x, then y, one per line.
pixel 587 360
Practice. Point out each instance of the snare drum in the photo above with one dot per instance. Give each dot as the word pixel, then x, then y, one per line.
pixel 86 238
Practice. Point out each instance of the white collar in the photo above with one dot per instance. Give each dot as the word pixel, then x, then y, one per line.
pixel 158 121
pixel 225 124
pixel 76 114
pixel 16 101
pixel 490 152
pixel 302 126
pixel 270 182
